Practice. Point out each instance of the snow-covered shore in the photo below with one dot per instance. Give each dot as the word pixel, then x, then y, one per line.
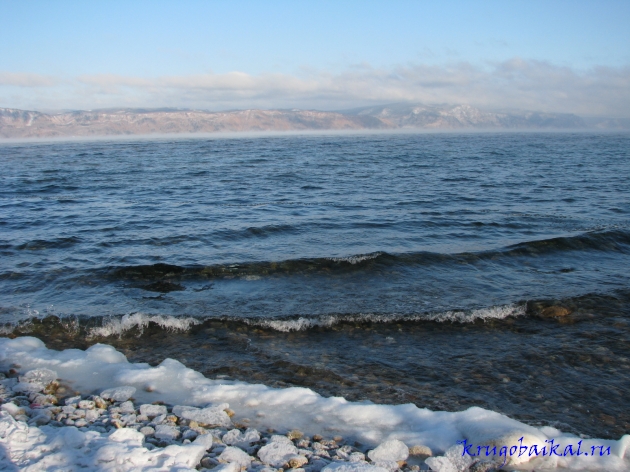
pixel 94 410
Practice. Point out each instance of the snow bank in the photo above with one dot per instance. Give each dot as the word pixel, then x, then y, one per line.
pixel 102 367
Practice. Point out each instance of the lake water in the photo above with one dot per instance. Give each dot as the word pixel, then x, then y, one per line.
pixel 391 267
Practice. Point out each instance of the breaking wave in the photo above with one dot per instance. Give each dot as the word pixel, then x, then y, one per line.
pixel 118 326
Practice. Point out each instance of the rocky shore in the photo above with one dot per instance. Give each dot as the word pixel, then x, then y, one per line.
pixel 111 431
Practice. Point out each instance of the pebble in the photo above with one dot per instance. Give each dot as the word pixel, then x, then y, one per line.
pixel 420 450
pixel 86 405
pixel 147 431
pixel 151 411
pixel 164 431
pixel 295 434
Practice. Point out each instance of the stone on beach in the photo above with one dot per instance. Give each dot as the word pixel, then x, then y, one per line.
pixel 235 455
pixel 151 411
pixel 393 450
pixel 204 440
pixel 229 467
pixel 297 461
pixel 236 438
pixel 214 416
pixel 164 431
pixel 278 451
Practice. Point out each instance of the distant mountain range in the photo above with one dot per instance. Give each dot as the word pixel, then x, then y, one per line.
pixel 107 122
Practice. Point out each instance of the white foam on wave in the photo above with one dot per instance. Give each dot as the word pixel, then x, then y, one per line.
pixel 356 259
pixel 117 326
pixel 303 323
pixel 102 366
pixel 491 313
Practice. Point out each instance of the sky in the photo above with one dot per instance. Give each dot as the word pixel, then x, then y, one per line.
pixel 553 55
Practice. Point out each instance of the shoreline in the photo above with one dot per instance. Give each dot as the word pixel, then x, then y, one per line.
pixel 344 428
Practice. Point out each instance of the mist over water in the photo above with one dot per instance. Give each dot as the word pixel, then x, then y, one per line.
pixel 395 268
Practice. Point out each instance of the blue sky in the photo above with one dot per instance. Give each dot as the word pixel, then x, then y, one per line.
pixel 550 55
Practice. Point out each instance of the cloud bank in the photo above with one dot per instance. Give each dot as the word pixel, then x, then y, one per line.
pixel 521 84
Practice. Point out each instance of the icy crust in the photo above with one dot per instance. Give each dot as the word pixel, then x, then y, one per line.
pixel 388 433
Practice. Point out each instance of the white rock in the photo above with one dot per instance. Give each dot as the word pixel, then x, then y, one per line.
pixel 297 461
pixel 236 438
pixel 12 409
pixel 80 423
pixel 128 436
pixel 73 400
pixel 127 407
pixel 441 464
pixel 151 411
pixel 159 419
pixel 229 467
pixel 165 431
pixel 391 466
pixel 204 440
pixel 278 451
pixel 212 416
pixel 234 454
pixel 86 404
pixel 393 450
pixel 147 431
pixel 456 456
pixel 128 419
pixel 91 415
pixel 69 409
pixel 118 394
pixel 42 376
pixel 352 467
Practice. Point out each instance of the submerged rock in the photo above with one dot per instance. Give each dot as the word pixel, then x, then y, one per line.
pixel 555 312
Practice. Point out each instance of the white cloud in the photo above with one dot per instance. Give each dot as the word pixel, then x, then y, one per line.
pixel 517 83
pixel 26 80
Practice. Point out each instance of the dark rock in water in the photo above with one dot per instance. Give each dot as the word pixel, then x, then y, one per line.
pixel 163 287
pixel 555 312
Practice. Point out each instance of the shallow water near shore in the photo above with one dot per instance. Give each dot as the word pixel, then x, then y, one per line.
pixel 399 269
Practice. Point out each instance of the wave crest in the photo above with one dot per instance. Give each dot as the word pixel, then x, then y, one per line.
pixel 117 326
pixel 303 323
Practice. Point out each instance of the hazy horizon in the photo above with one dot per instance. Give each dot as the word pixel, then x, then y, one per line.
pixel 564 57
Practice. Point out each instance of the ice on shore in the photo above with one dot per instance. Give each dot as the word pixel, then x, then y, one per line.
pixel 387 431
